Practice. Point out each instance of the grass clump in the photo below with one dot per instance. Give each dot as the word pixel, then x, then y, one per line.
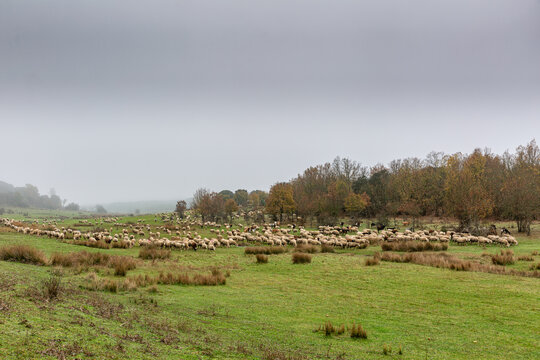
pixel 23 254
pixel 153 253
pixel 387 349
pixel 413 246
pixel 261 258
pixel 525 258
pixel 358 332
pixel 327 248
pixel 122 264
pixel 309 249
pixel 301 258
pixel 506 257
pixel 266 250
pixel 372 261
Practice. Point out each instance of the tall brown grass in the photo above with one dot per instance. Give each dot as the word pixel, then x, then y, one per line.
pixel 84 259
pixel 261 258
pixel 506 257
pixel 327 248
pixel 413 246
pixel 301 258
pixel 375 260
pixel 309 249
pixel 447 261
pixel 358 332
pixel 153 253
pixel 23 254
pixel 267 250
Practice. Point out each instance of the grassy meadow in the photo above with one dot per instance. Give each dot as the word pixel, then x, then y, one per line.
pixel 268 311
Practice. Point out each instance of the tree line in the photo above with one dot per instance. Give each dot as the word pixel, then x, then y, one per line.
pixel 469 187
pixel 28 196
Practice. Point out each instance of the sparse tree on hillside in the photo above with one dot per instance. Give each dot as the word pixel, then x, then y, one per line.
pixel 181 207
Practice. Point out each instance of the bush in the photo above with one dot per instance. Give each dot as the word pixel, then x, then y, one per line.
pixel 153 253
pixel 301 258
pixel 506 257
pixel 267 250
pixel 23 254
pixel 261 258
pixel 52 288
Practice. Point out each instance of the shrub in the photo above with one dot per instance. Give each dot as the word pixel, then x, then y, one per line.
pixel 358 332
pixel 267 250
pixel 153 253
pixel 301 258
pixel 261 258
pixel 506 257
pixel 52 288
pixel 413 246
pixel 327 248
pixel 310 249
pixel 23 254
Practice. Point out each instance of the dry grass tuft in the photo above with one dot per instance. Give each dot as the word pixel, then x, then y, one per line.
pixel 372 261
pixel 447 261
pixel 153 253
pixel 267 250
pixel 413 246
pixel 261 258
pixel 23 254
pixel 525 258
pixel 309 249
pixel 301 258
pixel 506 257
pixel 327 248
pixel 358 332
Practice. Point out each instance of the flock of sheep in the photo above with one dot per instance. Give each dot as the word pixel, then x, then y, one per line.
pixel 181 235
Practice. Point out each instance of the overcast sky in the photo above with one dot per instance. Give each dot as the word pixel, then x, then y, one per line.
pixel 139 100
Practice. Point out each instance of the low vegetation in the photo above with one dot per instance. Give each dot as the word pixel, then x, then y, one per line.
pixel 412 246
pixel 267 250
pixel 23 254
pixel 301 258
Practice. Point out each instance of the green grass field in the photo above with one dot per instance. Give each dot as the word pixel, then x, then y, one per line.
pixel 270 311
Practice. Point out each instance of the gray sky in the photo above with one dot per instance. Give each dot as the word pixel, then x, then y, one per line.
pixel 138 100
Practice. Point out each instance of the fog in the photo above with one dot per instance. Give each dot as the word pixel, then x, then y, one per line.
pixel 149 100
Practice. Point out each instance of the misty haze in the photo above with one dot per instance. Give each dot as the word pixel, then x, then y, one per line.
pixel 300 179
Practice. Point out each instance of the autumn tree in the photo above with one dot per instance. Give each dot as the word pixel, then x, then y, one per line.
pixel 230 207
pixel 521 189
pixel 280 200
pixel 467 197
pixel 356 204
